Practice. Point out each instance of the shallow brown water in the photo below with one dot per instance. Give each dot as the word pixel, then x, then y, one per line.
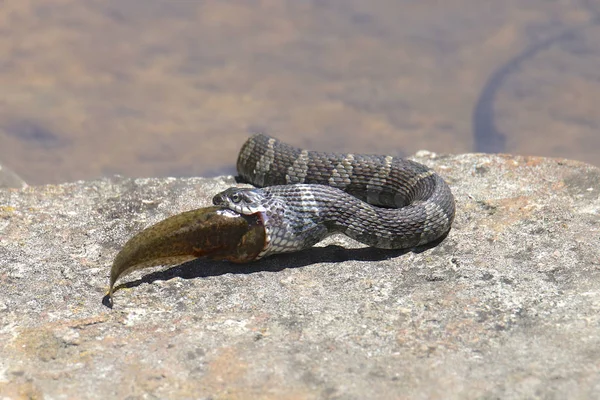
pixel 161 87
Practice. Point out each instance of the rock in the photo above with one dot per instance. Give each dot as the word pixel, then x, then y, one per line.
pixel 8 179
pixel 507 306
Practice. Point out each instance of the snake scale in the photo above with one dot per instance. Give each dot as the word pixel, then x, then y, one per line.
pixel 304 196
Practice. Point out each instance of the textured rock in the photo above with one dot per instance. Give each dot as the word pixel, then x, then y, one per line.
pixel 508 306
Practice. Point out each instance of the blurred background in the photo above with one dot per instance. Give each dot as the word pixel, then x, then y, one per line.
pixel 92 88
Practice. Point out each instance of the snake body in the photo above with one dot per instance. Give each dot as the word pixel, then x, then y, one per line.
pixel 304 196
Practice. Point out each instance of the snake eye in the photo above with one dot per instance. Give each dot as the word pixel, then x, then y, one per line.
pixel 236 198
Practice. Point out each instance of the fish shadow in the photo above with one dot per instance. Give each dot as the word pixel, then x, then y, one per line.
pixel 202 268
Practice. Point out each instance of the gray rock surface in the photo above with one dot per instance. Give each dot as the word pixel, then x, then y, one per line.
pixel 508 306
pixel 8 179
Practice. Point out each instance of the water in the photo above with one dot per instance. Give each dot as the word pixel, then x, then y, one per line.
pixel 172 88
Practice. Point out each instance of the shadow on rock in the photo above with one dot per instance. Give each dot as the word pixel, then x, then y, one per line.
pixel 202 268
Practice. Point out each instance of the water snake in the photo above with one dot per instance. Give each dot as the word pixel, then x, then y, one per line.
pixel 382 201
pixel 304 196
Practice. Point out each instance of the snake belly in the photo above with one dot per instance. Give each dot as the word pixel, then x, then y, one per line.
pixel 382 201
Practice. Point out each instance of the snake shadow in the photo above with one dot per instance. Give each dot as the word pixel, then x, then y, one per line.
pixel 202 268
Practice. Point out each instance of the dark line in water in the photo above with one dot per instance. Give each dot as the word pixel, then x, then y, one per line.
pixel 487 138
pixel 593 9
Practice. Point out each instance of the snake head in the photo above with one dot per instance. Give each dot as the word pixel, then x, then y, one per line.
pixel 243 201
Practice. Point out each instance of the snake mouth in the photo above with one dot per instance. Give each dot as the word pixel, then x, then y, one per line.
pixel 242 209
pixel 263 218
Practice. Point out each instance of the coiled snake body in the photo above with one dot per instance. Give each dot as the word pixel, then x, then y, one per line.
pixel 382 201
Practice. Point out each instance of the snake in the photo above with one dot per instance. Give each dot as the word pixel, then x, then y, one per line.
pixel 303 196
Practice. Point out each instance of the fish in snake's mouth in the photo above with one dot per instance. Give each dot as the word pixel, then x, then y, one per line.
pixel 248 202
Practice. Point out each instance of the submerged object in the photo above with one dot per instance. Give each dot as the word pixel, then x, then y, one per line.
pixel 215 233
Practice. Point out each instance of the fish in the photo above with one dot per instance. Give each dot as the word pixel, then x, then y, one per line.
pixel 214 233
